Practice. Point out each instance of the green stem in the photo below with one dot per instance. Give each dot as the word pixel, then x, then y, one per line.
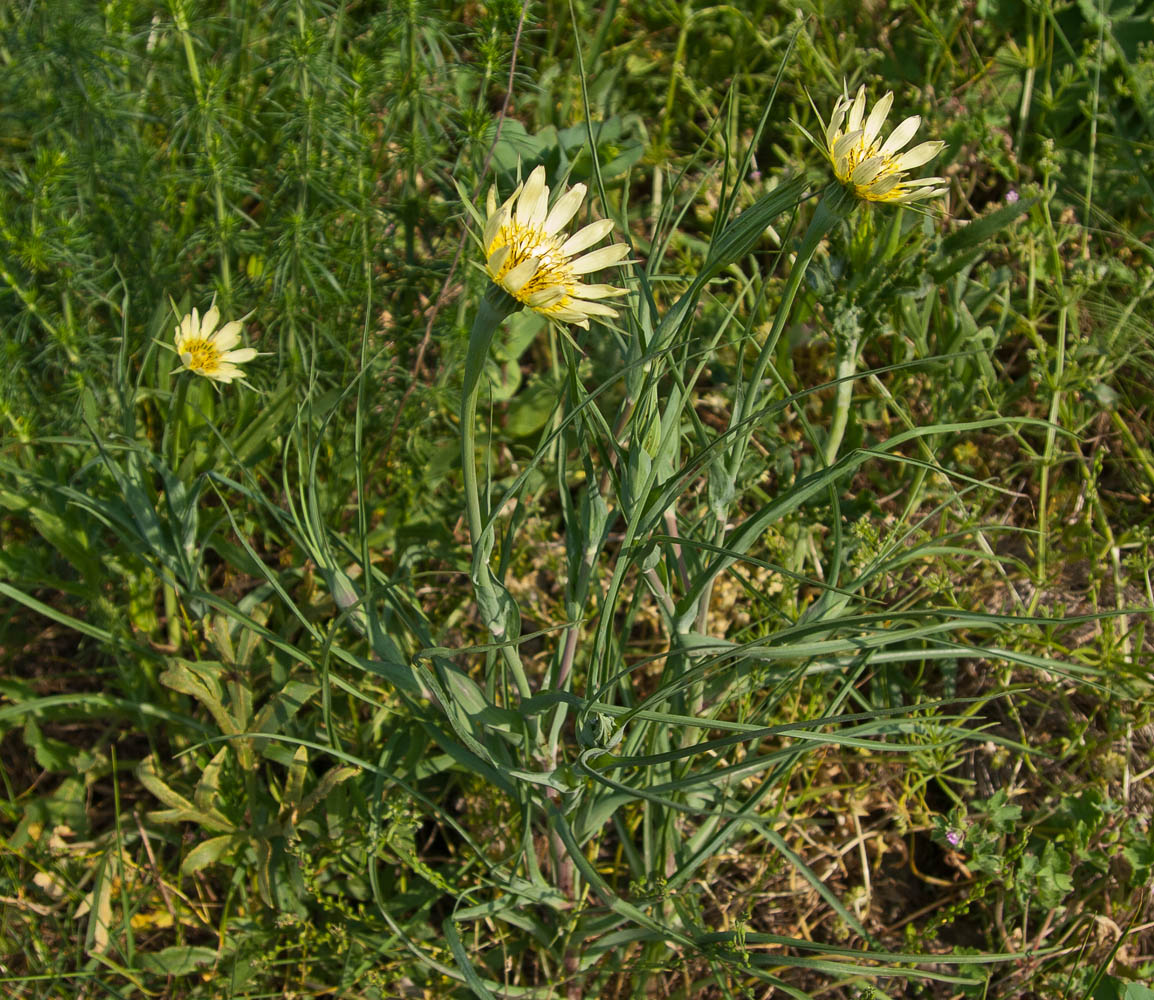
pixel 676 76
pixel 1138 454
pixel 1027 89
pixel 492 599
pixel 175 430
pixel 489 317
pixel 221 214
pixel 171 615
pixel 29 300
pixel 846 367
pixel 176 434
pixel 835 205
pixel 180 17
pixel 1048 460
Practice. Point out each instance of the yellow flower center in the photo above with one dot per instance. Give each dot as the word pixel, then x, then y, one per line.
pixel 859 155
pixel 526 243
pixel 200 356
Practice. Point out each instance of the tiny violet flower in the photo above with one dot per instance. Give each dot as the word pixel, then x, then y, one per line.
pixel 528 255
pixel 1011 197
pixel 872 169
pixel 955 837
pixel 207 351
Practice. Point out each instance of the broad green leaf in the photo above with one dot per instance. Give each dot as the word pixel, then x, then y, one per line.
pixel 179 960
pixel 209 852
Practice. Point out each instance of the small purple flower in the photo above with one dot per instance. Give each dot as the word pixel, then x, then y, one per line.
pixel 955 837
pixel 1011 197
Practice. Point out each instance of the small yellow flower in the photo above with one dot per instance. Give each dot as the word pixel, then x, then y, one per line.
pixel 875 170
pixel 528 255
pixel 210 353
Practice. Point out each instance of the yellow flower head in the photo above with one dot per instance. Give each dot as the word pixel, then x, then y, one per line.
pixel 528 255
pixel 872 169
pixel 210 353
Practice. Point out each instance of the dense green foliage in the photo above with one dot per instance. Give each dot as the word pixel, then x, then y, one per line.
pixel 802 644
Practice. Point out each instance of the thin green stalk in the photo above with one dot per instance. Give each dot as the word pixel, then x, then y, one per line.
pixel 362 388
pixel 1139 455
pixel 176 436
pixel 676 75
pixel 219 206
pixel 1027 89
pixel 493 603
pixel 180 17
pixel 171 615
pixel 29 300
pixel 1048 455
pixel 1094 97
pixel 569 652
pixel 489 317
pixel 211 140
pixel 835 205
pixel 846 368
pixel 1047 458
pixel 914 493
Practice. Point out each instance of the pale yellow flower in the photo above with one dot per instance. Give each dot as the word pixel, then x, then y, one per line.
pixel 209 352
pixel 528 255
pixel 872 169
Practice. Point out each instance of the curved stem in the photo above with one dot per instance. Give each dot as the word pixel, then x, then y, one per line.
pixel 835 205
pixel 488 319
pixel 172 447
pixel 495 308
pixel 493 601
pixel 846 368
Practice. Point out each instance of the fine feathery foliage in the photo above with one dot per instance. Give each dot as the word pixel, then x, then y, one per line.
pixel 509 500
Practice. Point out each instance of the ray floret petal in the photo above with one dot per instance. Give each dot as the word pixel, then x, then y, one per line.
pixel 529 256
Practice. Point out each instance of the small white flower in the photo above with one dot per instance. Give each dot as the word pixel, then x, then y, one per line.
pixel 207 351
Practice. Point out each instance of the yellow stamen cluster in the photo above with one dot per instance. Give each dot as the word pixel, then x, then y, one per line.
pixel 201 357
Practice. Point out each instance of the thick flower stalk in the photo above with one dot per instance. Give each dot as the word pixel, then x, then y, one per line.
pixel 872 169
pixel 532 262
pixel 529 256
pixel 209 352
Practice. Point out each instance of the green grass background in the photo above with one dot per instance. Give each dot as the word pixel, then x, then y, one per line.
pixel 876 726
